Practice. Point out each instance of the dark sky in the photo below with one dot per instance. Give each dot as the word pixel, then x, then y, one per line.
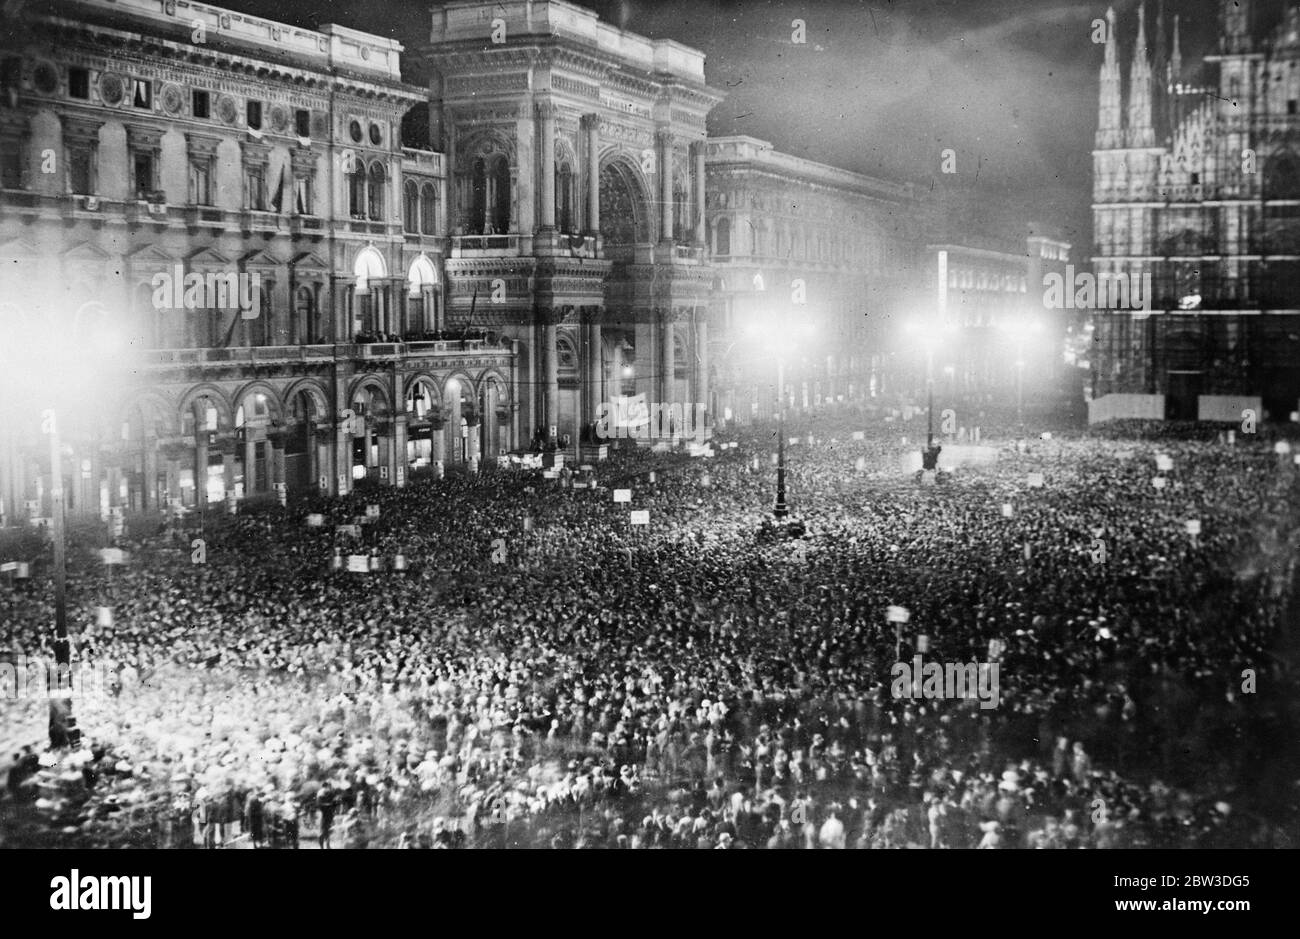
pixel 880 87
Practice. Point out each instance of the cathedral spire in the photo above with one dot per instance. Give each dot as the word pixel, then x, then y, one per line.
pixel 1110 119
pixel 1234 26
pixel 1141 132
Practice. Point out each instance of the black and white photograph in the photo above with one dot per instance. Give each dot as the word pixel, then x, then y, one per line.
pixel 687 425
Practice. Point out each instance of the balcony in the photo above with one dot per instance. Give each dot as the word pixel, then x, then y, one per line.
pixel 364 227
pixel 310 226
pixel 255 220
pixel 485 246
pixel 319 353
pixel 204 216
pixel 149 207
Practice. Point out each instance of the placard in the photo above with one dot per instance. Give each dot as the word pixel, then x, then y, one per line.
pixel 1158 482
pixel 859 435
pixel 1007 510
pixel 1193 526
pixel 1164 463
pixel 641 517
pixel 113 555
pixel 622 495
pixel 359 563
pixel 315 520
pixel 1035 480
pixel 897 614
pixel 372 511
pixel 353 530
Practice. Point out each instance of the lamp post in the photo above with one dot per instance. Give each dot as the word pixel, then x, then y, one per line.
pixel 929 392
pixel 63 725
pixel 779 508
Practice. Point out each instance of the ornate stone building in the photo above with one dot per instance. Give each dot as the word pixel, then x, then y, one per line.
pixel 1197 184
pixel 800 244
pixel 576 178
pixel 146 139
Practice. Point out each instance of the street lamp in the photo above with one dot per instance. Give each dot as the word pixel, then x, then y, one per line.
pixel 776 340
pixel 930 334
pixel 51 353
pixel 1020 330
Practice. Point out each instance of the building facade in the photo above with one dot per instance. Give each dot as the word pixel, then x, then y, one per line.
pixel 575 156
pixel 153 145
pixel 820 260
pixel 1197 187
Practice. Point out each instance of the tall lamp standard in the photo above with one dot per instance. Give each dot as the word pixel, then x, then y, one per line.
pixel 1020 330
pixel 773 335
pixel 51 355
pixel 929 334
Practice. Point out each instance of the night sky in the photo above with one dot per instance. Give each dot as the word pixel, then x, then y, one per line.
pixel 880 87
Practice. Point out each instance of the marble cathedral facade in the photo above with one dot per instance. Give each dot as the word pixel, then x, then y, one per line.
pixel 1197 186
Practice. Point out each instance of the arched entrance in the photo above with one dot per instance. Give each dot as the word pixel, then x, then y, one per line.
pixel 625 217
pixel 424 426
pixel 370 446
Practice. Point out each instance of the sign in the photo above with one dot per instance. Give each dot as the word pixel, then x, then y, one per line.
pixel 399 562
pixel 24 570
pixel 372 511
pixel 641 517
pixel 113 555
pixel 859 435
pixel 103 616
pixel 353 530
pixel 1035 480
pixel 1158 482
pixel 358 563
pixel 1007 511
pixel 8 566
pixel 897 614
pixel 622 495
pixel 528 523
pixel 1164 463
pixel 1193 526
pixel 860 464
pixel 550 474
pixel 315 520
pixel 922 643
pixel 324 484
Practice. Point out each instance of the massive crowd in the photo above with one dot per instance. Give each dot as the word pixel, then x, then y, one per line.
pixel 576 681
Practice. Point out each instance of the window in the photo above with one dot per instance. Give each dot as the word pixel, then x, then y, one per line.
pixel 357 191
pixel 410 206
pixel 81 170
pixel 255 186
pixel 1290 106
pixel 11 165
pixel 142 94
pixel 724 236
pixel 200 180
pixel 11 78
pixel 564 198
pixel 354 131
pixel 253 114
pixel 142 174
pixel 489 211
pixel 79 83
pixel 375 194
pixel 302 195
pixel 202 104
pixel 376 135
pixel 1196 179
pixel 302 122
pixel 429 209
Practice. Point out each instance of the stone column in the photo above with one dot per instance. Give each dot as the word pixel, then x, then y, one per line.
pixel 591 124
pixel 665 139
pixel 250 464
pixel 702 362
pixel 595 372
pixel 149 491
pixel 397 460
pixel 546 111
pixel 667 358
pixel 200 471
pixel 699 192
pixel 341 484
pixel 551 394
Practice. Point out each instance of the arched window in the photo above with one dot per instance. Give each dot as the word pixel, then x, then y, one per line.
pixel 428 209
pixel 501 192
pixel 259 327
pixel 375 200
pixel 305 326
pixel 410 206
pixel 724 236
pixel 477 221
pixel 421 296
pixel 564 197
pixel 357 191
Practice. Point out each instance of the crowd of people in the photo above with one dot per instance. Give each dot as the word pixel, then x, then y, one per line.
pixel 545 674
